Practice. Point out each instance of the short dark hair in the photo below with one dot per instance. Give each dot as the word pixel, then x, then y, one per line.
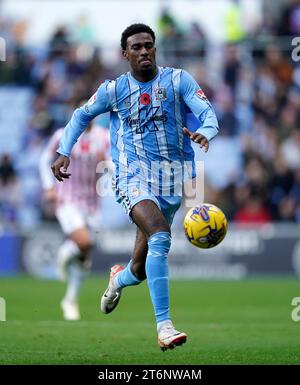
pixel 134 29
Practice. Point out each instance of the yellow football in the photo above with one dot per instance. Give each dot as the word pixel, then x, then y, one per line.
pixel 205 226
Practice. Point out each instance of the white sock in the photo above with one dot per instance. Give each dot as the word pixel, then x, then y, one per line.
pixel 77 270
pixel 68 251
pixel 76 277
pixel 162 324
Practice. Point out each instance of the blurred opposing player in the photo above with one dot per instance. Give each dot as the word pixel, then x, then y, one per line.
pixel 76 208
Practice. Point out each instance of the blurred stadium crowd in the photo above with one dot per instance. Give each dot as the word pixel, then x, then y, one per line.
pixel 253 167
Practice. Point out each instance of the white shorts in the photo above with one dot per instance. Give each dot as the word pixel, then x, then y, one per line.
pixel 72 218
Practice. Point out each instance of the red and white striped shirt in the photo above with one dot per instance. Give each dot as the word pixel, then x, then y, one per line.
pixel 80 188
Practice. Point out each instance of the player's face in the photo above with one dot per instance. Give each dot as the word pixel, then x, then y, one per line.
pixel 140 52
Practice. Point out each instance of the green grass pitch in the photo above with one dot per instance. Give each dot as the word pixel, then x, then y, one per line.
pixel 227 322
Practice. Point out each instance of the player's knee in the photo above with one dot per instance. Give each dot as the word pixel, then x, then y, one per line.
pixel 159 227
pixel 160 240
pixel 85 247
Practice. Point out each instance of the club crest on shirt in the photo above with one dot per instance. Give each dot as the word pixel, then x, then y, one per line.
pixel 160 93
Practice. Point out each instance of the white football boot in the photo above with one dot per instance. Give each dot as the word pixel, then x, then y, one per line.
pixel 70 310
pixel 112 294
pixel 169 337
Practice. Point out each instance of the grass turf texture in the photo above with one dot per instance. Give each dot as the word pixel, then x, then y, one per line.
pixel 243 322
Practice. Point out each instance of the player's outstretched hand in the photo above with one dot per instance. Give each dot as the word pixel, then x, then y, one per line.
pixel 197 138
pixel 61 162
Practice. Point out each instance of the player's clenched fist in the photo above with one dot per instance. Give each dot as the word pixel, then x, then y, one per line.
pixel 61 162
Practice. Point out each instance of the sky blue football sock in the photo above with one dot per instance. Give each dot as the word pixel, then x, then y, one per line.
pixel 157 273
pixel 127 278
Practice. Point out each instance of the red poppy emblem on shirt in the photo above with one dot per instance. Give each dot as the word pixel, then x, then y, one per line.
pixel 145 99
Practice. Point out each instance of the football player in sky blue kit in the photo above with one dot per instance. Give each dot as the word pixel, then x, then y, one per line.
pixel 148 107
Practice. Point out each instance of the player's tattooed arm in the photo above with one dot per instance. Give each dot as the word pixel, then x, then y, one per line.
pixel 62 162
pixel 197 138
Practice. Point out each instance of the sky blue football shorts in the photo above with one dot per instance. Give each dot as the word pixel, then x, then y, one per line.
pixel 128 194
